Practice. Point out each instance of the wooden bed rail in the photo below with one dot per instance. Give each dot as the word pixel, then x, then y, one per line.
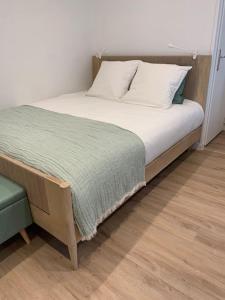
pixel 50 201
pixel 167 157
pixel 50 198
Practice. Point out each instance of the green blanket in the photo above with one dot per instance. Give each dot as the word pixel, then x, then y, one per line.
pixel 103 163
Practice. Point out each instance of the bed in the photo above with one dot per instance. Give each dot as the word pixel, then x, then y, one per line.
pixel 50 197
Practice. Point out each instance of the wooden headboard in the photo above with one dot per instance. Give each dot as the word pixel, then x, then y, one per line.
pixel 197 80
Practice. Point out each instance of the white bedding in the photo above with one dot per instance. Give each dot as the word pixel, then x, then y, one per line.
pixel 159 129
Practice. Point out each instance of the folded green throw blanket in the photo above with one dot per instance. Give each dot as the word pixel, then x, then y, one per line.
pixel 103 163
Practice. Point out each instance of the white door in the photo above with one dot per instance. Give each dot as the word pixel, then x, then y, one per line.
pixel 217 109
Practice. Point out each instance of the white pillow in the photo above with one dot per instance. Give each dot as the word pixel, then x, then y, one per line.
pixel 113 79
pixel 155 84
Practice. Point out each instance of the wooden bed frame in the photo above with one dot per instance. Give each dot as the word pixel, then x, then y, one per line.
pixel 50 198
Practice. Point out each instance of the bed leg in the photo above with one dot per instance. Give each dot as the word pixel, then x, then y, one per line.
pixel 73 256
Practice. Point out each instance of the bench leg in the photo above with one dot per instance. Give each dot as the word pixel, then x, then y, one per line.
pixel 25 236
pixel 73 256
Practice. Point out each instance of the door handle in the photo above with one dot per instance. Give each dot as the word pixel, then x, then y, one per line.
pixel 219 60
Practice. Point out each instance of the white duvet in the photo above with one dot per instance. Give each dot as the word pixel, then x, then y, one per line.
pixel 159 129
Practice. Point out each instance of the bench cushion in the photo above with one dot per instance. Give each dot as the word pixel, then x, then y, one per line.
pixel 10 192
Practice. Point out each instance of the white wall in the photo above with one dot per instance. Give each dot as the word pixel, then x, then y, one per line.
pixel 45 48
pixel 144 27
pixel 46 45
pixel 147 26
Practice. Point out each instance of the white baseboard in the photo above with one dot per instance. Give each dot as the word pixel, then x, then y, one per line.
pixel 198 146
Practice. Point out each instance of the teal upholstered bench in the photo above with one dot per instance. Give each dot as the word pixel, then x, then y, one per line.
pixel 15 213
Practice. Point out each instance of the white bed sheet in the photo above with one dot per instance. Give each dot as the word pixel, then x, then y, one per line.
pixel 159 129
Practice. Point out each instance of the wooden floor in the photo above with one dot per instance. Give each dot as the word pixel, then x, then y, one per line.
pixel 167 242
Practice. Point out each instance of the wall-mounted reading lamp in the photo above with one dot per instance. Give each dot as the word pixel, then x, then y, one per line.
pixel 193 52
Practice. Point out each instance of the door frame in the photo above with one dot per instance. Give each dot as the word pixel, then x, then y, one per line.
pixel 220 14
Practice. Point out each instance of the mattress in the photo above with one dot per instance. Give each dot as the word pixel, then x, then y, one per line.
pixel 159 129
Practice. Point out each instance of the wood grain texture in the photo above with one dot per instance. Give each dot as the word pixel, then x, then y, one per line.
pixel 50 200
pixel 167 242
pixel 32 180
pixel 196 87
pixel 171 154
